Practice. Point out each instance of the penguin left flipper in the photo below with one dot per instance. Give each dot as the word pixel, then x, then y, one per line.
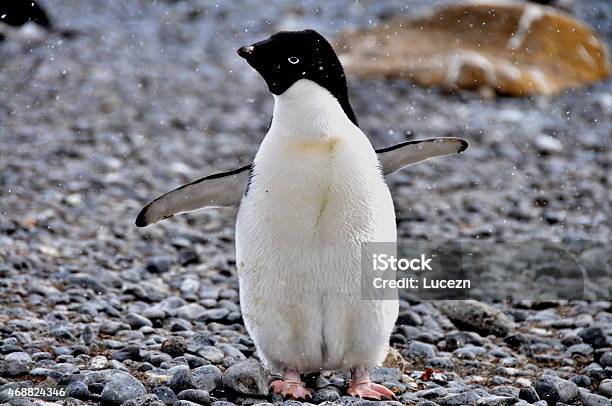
pixel 219 190
pixel 411 152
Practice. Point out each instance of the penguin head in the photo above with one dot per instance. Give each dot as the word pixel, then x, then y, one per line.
pixel 289 56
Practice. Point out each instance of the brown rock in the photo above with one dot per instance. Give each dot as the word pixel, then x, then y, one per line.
pixel 517 49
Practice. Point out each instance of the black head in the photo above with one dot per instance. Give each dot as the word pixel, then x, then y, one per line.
pixel 289 56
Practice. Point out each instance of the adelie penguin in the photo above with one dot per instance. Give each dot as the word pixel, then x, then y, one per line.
pixel 315 192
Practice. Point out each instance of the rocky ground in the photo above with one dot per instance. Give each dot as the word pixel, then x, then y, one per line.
pixel 148 95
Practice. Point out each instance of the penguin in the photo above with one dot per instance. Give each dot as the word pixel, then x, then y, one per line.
pixel 315 192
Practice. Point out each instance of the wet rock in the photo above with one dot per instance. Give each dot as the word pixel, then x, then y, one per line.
pixel 184 403
pixel 13 368
pixel 553 389
pixel 329 394
pixel 160 264
pixel 580 349
pixel 137 321
pixel 605 388
pixel 581 380
pixel 207 377
pixel 198 396
pixel 380 375
pixel 18 356
pixel 165 394
pixel 421 350
pixel 190 312
pixel 591 399
pixel 213 354
pixel 529 394
pixel 247 377
pixel 188 256
pixel 496 401
pixel 181 380
pixel 593 336
pixel 112 327
pixel 606 359
pixel 130 352
pixel 78 390
pixel 409 318
pixel 460 399
pixel 121 388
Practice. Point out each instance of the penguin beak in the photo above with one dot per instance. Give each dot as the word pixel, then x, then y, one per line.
pixel 246 52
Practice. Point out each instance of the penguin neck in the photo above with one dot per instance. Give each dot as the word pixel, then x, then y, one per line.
pixel 308 111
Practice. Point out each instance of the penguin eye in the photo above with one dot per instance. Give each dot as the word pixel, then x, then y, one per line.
pixel 293 60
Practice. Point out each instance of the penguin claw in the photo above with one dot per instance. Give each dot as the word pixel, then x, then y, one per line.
pixel 370 390
pixel 296 390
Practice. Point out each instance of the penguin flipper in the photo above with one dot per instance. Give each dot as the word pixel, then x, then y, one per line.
pixel 411 152
pixel 218 190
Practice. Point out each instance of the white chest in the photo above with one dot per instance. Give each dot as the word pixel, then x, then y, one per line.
pixel 316 177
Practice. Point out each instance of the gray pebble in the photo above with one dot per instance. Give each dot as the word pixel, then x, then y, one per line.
pixel 191 311
pixel 496 401
pixel 137 321
pixel 606 359
pixel 160 264
pixel 553 389
pixel 529 394
pixel 13 368
pixel 460 399
pixel 580 349
pixel 213 354
pixel 593 336
pixel 591 399
pixel 605 388
pixel 78 390
pixel 181 380
pixel 419 349
pixel 207 377
pixel 18 357
pixel 329 394
pixel 247 377
pixel 122 387
pixel 198 396
pixel 379 375
pixel 165 394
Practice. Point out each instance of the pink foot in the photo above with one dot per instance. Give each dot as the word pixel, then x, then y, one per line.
pixel 291 385
pixel 369 390
pixel 362 387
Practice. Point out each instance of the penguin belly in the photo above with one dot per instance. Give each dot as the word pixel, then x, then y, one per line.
pixel 309 206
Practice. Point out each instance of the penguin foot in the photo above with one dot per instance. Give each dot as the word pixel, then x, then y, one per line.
pixel 369 390
pixel 296 390
pixel 361 387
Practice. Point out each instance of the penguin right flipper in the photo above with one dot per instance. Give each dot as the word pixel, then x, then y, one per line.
pixel 411 152
pixel 219 190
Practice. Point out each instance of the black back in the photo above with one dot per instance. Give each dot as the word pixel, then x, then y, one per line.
pixel 289 56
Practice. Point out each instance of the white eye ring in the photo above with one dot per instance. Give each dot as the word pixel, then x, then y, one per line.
pixel 293 60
